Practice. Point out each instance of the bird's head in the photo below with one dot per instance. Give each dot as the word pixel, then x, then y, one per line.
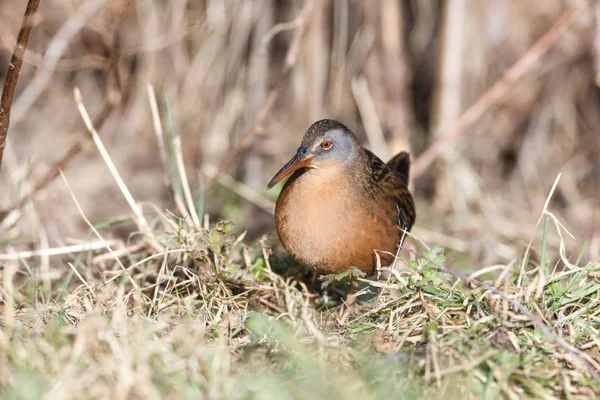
pixel 326 144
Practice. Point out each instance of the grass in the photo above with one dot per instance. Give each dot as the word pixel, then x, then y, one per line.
pixel 212 317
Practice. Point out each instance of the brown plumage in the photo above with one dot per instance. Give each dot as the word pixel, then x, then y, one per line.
pixel 342 202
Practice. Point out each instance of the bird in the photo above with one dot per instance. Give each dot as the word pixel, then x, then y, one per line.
pixel 342 205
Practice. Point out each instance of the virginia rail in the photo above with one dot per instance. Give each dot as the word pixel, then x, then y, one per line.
pixel 342 202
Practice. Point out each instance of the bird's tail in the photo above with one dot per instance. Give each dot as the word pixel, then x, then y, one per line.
pixel 400 165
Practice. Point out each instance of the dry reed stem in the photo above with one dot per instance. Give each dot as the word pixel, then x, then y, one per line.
pixel 81 278
pixel 158 131
pixel 154 256
pixel 289 62
pixel 447 105
pixel 140 220
pixel 8 289
pixel 14 69
pixel 57 251
pixel 93 228
pixel 164 157
pixel 121 253
pixel 539 221
pixel 497 92
pixel 187 193
pixel 368 113
pixel 398 112
pixel 44 259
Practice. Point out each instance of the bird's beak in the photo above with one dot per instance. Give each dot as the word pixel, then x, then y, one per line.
pixel 302 159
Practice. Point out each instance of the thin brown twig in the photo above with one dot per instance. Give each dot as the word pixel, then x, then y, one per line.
pixel 290 60
pixel 496 93
pixel 14 69
pixel 573 351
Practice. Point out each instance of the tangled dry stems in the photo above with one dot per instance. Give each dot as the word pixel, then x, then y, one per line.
pixel 211 317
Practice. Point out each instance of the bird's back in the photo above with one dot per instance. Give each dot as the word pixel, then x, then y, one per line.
pixel 392 179
pixel 400 165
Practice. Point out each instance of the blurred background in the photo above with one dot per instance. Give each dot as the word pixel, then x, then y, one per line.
pixel 399 73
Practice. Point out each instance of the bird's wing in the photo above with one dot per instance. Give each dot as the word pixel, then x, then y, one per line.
pixel 400 165
pixel 391 183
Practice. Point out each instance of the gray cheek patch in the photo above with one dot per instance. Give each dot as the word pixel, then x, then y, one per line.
pixel 341 144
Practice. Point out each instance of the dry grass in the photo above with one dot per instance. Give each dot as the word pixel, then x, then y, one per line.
pixel 210 317
pixel 124 280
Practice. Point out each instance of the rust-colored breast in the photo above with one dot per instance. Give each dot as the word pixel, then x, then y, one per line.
pixel 330 222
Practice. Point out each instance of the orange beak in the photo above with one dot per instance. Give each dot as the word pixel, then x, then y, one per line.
pixel 302 159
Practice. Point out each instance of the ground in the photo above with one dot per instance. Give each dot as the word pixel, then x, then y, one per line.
pixel 207 316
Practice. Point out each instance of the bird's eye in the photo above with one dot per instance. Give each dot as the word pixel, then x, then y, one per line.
pixel 326 144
